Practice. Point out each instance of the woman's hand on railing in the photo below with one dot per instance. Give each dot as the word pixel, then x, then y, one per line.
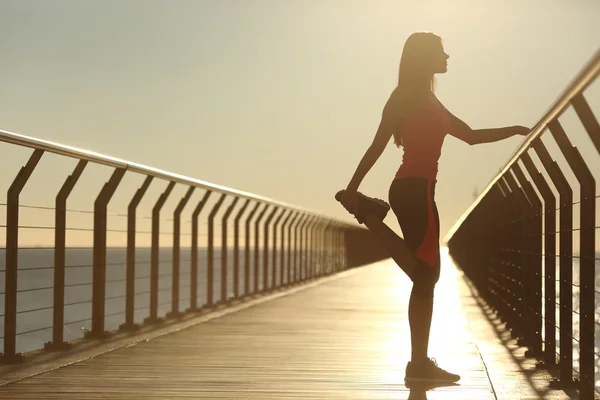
pixel 521 130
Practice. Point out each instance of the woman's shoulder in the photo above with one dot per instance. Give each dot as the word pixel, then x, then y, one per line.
pixel 404 103
pixel 395 95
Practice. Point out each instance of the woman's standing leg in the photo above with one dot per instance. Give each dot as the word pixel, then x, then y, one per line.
pixel 412 201
pixel 417 255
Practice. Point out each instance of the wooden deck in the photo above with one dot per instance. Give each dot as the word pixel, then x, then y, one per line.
pixel 345 337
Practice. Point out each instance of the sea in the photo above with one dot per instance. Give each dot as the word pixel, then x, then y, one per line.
pixel 36 281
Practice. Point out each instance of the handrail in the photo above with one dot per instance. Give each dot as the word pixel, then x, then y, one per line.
pixel 585 77
pixel 331 246
pixel 531 251
pixel 69 151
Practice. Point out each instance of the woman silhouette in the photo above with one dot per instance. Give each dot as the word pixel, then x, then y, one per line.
pixel 419 122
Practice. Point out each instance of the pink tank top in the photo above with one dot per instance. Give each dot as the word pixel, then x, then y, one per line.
pixel 422 138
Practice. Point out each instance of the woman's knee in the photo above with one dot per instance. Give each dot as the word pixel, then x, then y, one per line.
pixel 424 282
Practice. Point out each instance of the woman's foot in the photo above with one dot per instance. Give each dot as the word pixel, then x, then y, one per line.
pixel 367 205
pixel 429 371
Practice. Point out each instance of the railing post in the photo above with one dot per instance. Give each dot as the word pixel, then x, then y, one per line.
pixel 503 268
pixel 314 247
pixel 99 251
pixel 333 230
pixel 282 258
pixel 325 248
pixel 588 218
pixel 350 238
pixel 314 229
pixel 292 225
pixel 481 228
pixel 515 239
pixel 303 242
pixel 211 257
pixel 266 250
pixel 549 260
pixel 345 259
pixel 523 213
pixel 321 245
pixel 344 250
pixel 236 250
pixel 275 226
pixel 194 267
pixel 497 203
pixel 99 264
pixel 311 247
pixel 488 222
pixel 60 225
pixel 129 324
pixel 194 250
pixel 12 259
pixel 313 261
pixel 339 243
pixel 257 248
pixel 298 248
pixel 333 241
pixel 587 255
pixel 534 248
pixel 247 251
pixel 565 263
pixel 176 253
pixel 224 266
pixel 306 246
pixel 586 116
pixel 305 264
pixel 154 255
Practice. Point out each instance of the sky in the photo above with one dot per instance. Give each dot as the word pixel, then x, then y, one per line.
pixel 278 98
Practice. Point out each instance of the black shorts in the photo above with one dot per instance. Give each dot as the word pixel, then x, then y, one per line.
pixel 413 202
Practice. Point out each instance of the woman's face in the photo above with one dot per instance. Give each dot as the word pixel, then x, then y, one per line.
pixel 439 60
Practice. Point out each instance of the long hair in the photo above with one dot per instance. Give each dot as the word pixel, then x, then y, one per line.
pixel 415 76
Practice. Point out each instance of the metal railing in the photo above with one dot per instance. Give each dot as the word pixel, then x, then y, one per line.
pixel 263 245
pixel 506 242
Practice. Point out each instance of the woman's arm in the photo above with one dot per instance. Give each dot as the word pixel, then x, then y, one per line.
pixel 389 122
pixel 382 137
pixel 464 132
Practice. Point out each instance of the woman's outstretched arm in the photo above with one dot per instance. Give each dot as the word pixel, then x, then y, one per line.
pixel 471 136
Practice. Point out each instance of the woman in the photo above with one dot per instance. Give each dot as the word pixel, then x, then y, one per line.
pixel 419 123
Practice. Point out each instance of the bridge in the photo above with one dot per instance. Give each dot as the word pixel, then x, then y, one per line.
pixel 220 293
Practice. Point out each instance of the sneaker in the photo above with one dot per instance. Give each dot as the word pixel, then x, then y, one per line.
pixel 367 205
pixel 428 371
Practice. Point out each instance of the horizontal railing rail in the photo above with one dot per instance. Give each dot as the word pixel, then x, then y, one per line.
pixel 86 155
pixel 224 245
pixel 526 254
